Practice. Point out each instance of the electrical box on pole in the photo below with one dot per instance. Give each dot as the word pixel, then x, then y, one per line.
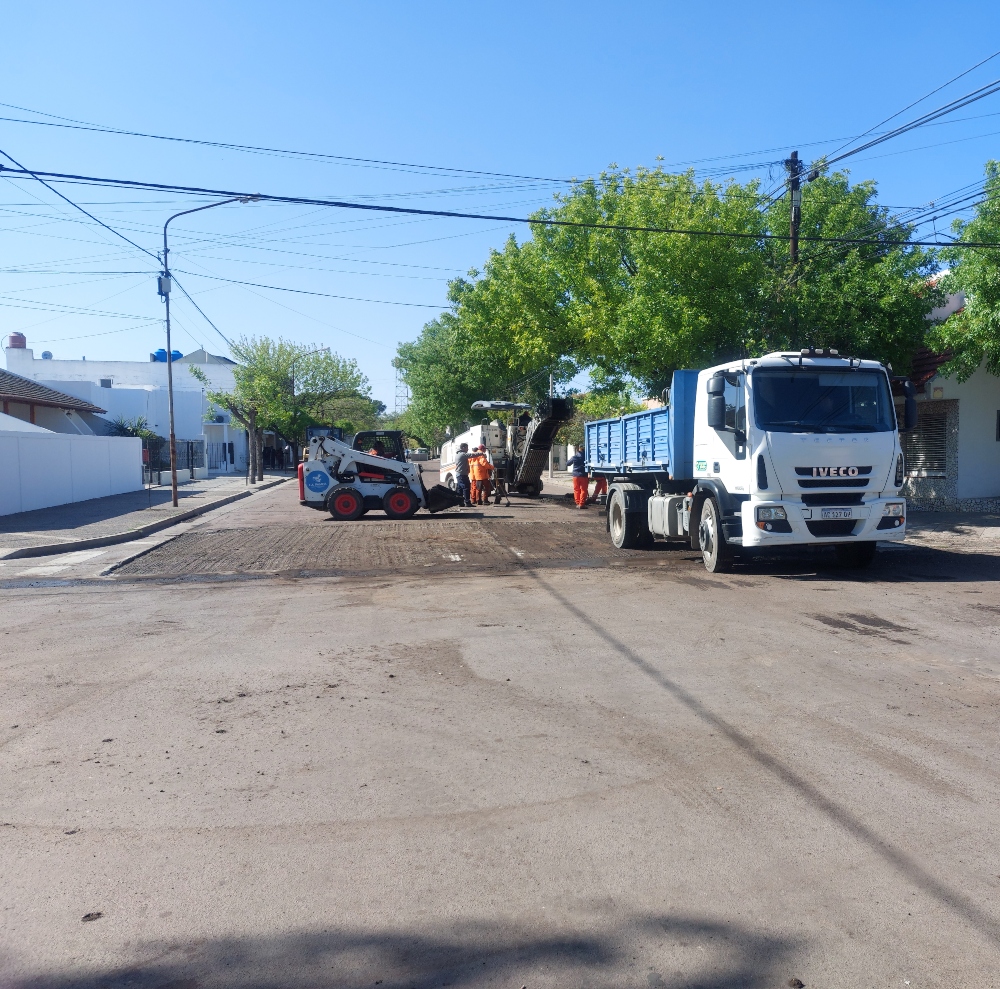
pixel 163 285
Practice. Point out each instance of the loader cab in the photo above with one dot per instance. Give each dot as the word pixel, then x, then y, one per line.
pixel 387 443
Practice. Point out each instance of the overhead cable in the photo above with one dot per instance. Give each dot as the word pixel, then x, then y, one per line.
pixel 455 214
pixel 72 124
pixel 77 206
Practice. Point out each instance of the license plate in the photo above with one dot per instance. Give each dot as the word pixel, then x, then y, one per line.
pixel 837 513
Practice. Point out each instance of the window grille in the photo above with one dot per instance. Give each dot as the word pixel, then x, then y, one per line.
pixel 926 447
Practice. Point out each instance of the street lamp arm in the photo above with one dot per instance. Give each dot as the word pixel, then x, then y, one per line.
pixel 197 209
pixel 165 292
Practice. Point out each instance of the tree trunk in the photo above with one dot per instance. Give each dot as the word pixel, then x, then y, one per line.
pixel 252 446
pixel 260 454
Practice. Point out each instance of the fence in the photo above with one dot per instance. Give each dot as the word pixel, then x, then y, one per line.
pixel 220 456
pixel 156 458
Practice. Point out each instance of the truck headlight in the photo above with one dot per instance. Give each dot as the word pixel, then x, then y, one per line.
pixel 893 508
pixel 770 514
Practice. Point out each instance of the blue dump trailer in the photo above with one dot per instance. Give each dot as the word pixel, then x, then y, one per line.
pixel 656 441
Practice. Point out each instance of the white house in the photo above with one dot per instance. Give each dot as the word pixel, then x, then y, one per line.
pixel 139 388
pixel 953 456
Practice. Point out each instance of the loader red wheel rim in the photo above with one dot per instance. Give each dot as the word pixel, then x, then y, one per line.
pixel 399 502
pixel 345 503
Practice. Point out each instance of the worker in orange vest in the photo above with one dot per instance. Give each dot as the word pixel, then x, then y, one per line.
pixel 479 471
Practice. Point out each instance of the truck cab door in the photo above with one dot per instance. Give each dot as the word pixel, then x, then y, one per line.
pixel 721 452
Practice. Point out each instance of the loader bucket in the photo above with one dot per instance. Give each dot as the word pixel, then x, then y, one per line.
pixel 438 498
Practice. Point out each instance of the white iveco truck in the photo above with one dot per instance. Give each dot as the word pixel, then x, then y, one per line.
pixel 792 449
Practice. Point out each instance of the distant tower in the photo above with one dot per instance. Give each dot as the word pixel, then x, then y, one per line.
pixel 402 393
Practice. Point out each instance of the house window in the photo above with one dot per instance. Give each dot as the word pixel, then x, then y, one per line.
pixel 925 447
pixel 105 382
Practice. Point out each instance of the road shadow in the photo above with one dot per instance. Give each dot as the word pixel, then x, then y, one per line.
pixel 976 914
pixel 907 564
pixel 657 951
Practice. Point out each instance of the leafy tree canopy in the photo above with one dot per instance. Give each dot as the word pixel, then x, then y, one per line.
pixel 972 335
pixel 287 386
pixel 638 305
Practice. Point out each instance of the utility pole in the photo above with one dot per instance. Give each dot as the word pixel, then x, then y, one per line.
pixel 551 455
pixel 163 286
pixel 794 167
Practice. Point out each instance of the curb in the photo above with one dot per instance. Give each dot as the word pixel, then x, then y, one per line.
pixel 52 549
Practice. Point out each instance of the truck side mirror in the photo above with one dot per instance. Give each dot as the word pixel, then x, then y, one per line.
pixel 716 385
pixel 909 406
pixel 717 411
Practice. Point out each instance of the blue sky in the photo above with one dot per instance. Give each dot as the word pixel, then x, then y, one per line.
pixel 546 90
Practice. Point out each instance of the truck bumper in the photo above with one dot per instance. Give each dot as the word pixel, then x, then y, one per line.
pixel 806 525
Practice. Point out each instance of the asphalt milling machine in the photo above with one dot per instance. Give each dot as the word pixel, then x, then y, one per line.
pixel 350 479
pixel 519 449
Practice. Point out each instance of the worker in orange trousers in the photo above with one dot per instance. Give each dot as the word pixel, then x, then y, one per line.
pixel 581 482
pixel 600 488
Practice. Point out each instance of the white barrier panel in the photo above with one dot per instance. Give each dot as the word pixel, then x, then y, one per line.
pixel 39 470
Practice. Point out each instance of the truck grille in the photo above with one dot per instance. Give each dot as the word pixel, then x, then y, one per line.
pixel 834 498
pixel 832 527
pixel 834 482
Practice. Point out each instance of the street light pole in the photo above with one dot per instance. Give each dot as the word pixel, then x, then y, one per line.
pixel 163 284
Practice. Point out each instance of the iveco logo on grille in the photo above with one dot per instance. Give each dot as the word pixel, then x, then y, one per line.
pixel 836 471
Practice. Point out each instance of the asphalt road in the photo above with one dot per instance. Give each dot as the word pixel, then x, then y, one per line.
pixel 485 749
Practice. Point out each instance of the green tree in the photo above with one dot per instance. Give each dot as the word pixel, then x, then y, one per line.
pixel 870 300
pixel 137 426
pixel 607 398
pixel 285 387
pixel 972 335
pixel 638 305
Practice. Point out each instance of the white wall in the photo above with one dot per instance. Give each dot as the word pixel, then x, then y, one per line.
pixel 45 469
pixel 978 449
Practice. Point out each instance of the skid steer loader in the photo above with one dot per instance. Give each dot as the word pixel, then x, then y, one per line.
pixel 350 479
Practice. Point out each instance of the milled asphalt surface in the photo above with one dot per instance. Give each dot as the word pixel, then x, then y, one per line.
pixel 282 751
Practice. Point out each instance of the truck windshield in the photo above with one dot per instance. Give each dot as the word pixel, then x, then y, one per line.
pixel 816 400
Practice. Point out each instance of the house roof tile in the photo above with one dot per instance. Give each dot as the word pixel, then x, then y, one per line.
pixel 14 388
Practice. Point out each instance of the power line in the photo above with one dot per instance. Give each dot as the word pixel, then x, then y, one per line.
pixel 195 304
pixel 455 214
pixel 302 291
pixel 922 98
pixel 76 206
pixel 977 94
pixel 71 124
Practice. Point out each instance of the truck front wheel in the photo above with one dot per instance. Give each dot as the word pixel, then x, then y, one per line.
pixel 626 528
pixel 855 556
pixel 716 553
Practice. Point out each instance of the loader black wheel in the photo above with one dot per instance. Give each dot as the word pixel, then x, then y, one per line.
pixel 400 503
pixel 855 556
pixel 627 529
pixel 345 503
pixel 716 553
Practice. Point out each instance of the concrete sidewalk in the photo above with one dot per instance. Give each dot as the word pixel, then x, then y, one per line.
pixel 120 518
